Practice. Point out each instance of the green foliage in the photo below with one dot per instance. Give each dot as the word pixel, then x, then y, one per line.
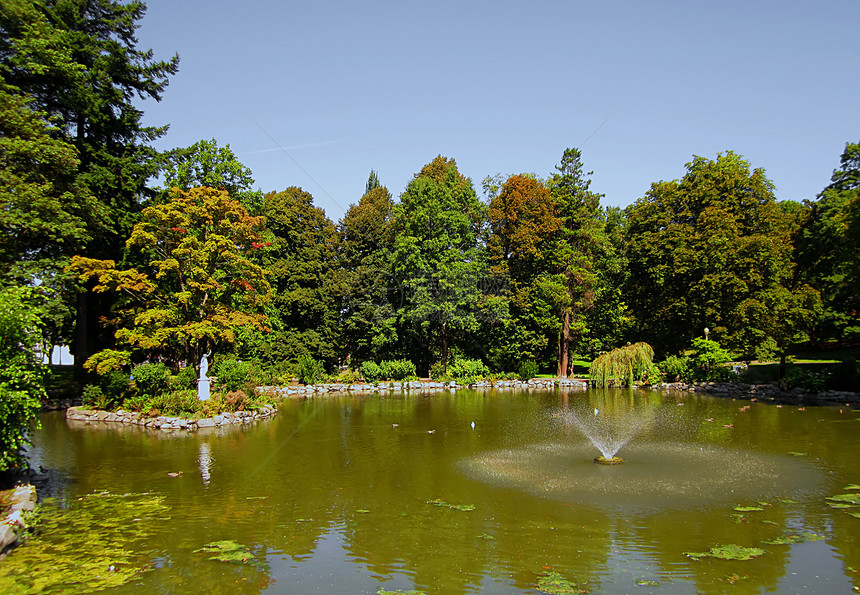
pixel 527 371
pixel 625 364
pixel 308 370
pixel 713 249
pixel 21 375
pixel 676 368
pixel 371 371
pixel 200 284
pixel 151 378
pixel 468 371
pixel 400 369
pixel 707 361
pixel 174 404
pixel 555 583
pixel 185 379
pixel 437 262
pixel 205 164
pixel 231 374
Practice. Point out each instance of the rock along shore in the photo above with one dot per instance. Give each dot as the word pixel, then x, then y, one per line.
pixel 14 504
pixel 428 386
pixel 771 392
pixel 80 414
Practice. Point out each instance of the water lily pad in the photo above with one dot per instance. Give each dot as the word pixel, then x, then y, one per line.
pixel 853 486
pixel 748 508
pixel 846 498
pixel 787 501
pixel 855 514
pixel 555 583
pixel 728 552
pixel 797 454
pixel 410 592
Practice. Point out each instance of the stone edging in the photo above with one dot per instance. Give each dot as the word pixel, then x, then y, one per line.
pixel 13 525
pixel 168 423
pixel 419 385
pixel 769 391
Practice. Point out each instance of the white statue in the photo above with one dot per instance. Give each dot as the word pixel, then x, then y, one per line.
pixel 204 365
pixel 203 381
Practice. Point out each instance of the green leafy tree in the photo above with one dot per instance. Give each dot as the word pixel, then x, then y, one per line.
pixel 367 313
pixel 302 268
pixel 206 164
pixel 21 378
pixel 77 62
pixel 704 251
pixel 828 250
pixel 438 263
pixel 524 229
pixel 198 286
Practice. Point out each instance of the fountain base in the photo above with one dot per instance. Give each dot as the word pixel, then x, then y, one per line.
pixel 612 461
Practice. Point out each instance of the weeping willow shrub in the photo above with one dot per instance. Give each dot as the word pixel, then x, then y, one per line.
pixel 623 363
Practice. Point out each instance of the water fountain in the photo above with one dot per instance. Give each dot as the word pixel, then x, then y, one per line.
pixel 666 462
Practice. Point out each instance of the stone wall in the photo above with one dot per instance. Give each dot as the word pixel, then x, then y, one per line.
pixel 79 414
pixel 420 386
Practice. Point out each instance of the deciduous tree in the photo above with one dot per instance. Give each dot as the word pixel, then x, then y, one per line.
pixel 199 284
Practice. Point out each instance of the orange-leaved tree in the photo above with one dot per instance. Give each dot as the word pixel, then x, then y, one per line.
pixel 196 285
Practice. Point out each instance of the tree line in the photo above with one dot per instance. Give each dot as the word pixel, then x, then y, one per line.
pixel 534 269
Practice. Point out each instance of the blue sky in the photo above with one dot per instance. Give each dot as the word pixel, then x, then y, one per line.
pixel 505 87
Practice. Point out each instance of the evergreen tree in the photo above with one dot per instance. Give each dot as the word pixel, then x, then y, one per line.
pixel 77 62
pixel 368 323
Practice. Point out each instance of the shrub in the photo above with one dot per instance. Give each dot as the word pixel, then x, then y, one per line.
pixel 398 369
pixel 438 372
pixel 468 371
pixel 151 378
pixel 174 404
pixel 92 397
pixel 675 368
pixel 707 360
pixel 186 379
pixel 528 370
pixel 231 374
pixel 308 370
pixel 348 376
pixel 371 371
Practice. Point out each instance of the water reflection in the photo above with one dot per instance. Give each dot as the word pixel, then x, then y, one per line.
pixel 335 494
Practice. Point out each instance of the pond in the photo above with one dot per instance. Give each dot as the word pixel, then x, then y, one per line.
pixel 468 492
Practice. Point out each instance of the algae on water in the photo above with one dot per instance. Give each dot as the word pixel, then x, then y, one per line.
pixel 727 552
pixel 93 544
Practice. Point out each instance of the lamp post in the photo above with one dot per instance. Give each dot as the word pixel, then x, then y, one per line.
pixel 707 330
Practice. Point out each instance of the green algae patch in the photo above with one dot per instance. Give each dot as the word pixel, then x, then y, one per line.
pixel 727 552
pixel 228 551
pixel 410 592
pixel 95 543
pixel 792 538
pixel 554 583
pixel 442 504
pixel 748 508
pixel 646 582
pixel 853 486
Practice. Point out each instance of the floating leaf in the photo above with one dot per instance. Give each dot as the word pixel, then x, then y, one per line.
pixel 853 486
pixel 555 583
pixel 748 508
pixel 787 501
pixel 738 518
pixel 771 522
pixel 797 454
pixel 362 511
pixel 486 536
pixel 410 592
pixel 728 552
pixel 855 514
pixel 847 498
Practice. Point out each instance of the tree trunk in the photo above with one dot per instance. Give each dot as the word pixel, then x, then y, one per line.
pixel 564 347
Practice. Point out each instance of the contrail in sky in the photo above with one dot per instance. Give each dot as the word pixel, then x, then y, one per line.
pixel 284 151
pixel 595 130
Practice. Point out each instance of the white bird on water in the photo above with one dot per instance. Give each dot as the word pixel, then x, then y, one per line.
pixel 595 412
pixel 473 425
